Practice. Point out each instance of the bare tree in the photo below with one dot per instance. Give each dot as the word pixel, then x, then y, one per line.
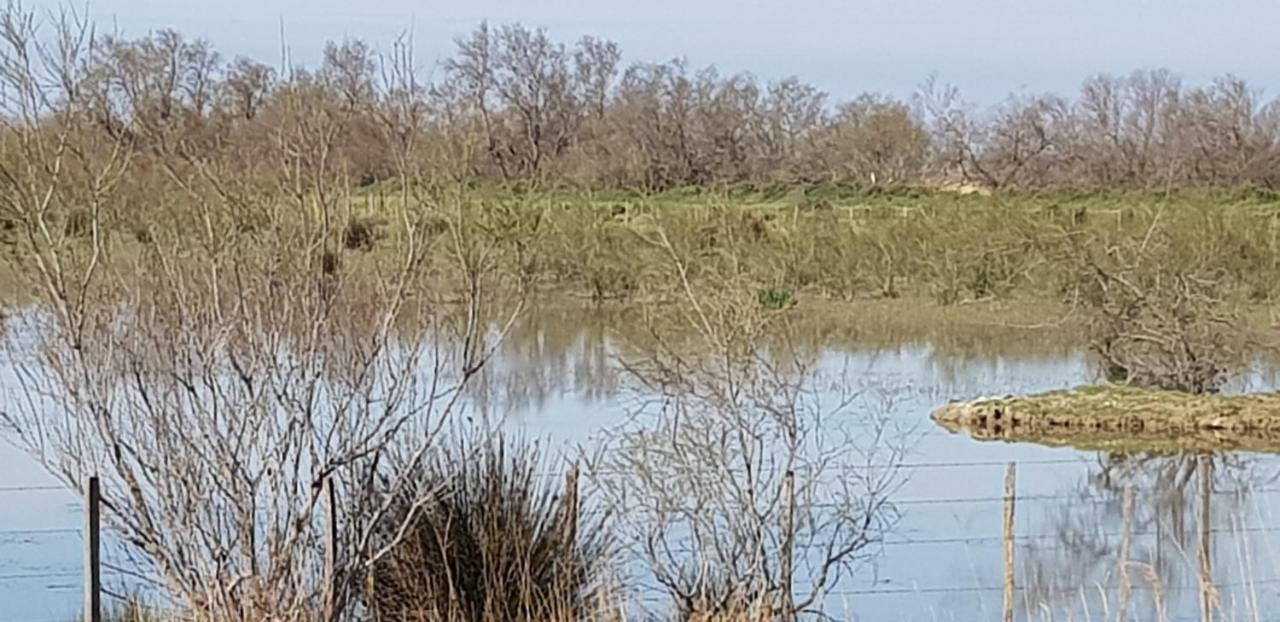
pixel 246 88
pixel 787 119
pixel 873 140
pixel 514 104
pixel 740 486
pixel 656 107
pixel 1022 144
pixel 529 92
pixel 217 379
pixel 57 175
pixel 955 134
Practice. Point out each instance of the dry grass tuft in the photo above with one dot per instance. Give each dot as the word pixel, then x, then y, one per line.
pixel 494 541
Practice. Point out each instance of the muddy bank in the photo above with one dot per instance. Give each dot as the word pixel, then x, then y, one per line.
pixel 1123 419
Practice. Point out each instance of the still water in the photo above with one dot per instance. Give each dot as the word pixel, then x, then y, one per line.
pixel 1205 529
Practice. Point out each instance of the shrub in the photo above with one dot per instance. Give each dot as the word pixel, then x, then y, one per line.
pixel 494 541
pixel 720 599
pixel 775 299
pixel 361 234
pixel 1153 328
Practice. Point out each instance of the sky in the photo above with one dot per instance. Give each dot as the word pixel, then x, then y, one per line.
pixel 989 48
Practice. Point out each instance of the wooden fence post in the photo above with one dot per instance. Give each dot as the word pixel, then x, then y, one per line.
pixel 1208 593
pixel 1010 490
pixel 92 552
pixel 330 550
pixel 1126 543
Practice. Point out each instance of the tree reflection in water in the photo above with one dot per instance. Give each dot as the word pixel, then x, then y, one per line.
pixel 1188 530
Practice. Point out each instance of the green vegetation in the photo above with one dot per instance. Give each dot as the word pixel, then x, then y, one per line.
pixel 829 242
pixel 237 266
pixel 1117 418
pixel 848 243
pixel 773 299
pixel 579 165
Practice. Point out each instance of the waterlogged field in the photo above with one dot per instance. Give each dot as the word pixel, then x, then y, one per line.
pixel 736 370
pixel 1201 530
pixel 310 328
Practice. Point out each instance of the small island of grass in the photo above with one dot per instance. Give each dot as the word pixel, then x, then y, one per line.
pixel 1120 418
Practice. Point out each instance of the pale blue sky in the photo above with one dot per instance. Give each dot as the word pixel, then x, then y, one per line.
pixel 988 47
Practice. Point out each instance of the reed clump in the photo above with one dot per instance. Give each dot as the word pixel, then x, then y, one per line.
pixel 493 540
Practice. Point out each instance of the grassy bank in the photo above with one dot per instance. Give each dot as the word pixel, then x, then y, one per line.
pixel 845 243
pixel 789 242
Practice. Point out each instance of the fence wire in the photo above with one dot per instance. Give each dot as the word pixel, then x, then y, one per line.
pixel 894 542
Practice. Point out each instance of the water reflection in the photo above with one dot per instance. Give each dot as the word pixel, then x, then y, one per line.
pixel 557 375
pixel 1189 542
pixel 569 349
pixel 1068 557
pixel 552 352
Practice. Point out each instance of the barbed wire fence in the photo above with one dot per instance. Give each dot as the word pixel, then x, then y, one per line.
pixel 88 577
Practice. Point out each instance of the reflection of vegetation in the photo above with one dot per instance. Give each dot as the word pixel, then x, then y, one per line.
pixel 563 347
pixel 554 349
pixel 1179 504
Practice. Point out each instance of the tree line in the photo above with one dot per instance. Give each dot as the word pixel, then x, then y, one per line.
pixel 512 104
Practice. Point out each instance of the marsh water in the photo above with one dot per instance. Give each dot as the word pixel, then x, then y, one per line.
pixel 1205 530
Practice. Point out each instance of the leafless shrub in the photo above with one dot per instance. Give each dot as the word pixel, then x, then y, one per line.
pixel 721 601
pixel 1179 339
pixel 215 408
pixel 217 379
pixel 742 490
pixel 1155 325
